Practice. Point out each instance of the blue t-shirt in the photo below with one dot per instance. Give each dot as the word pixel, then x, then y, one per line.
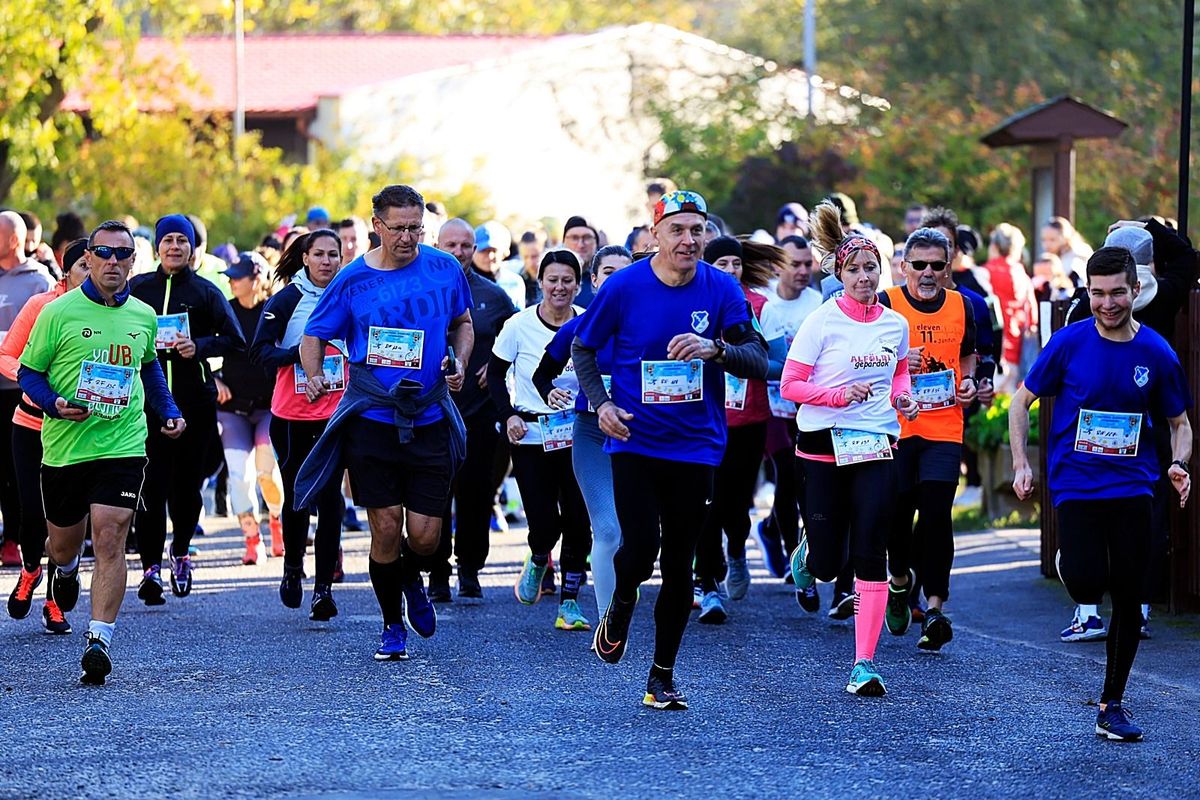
pixel 983 327
pixel 1083 370
pixel 395 317
pixel 560 350
pixel 639 315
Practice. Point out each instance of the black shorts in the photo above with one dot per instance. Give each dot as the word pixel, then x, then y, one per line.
pixel 919 460
pixel 385 473
pixel 68 493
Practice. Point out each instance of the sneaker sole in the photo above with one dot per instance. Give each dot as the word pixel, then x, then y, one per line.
pixel 63 606
pixel 315 617
pixel 1084 637
pixel 95 669
pixel 1115 737
pixel 872 688
pixel 843 610
pixel 517 594
pixel 937 635
pixel 562 625
pixel 668 705
pixel 612 656
pixel 384 657
pixel 155 599
pixel 408 621
pixel 810 605
pixel 713 617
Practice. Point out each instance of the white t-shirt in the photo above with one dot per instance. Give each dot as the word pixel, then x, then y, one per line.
pixel 790 314
pixel 523 341
pixel 843 351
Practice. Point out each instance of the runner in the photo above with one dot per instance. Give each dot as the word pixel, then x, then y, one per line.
pixel 666 316
pixel 476 483
pixel 592 465
pixel 89 363
pixel 848 368
pixel 244 413
pixel 195 323
pixel 307 267
pixel 746 414
pixel 1109 380
pixel 941 364
pixel 541 433
pixel 27 449
pixel 397 307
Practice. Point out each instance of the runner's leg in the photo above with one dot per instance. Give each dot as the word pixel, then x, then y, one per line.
pixel 685 491
pixel 593 472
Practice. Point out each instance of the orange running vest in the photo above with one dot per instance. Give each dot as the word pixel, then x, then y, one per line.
pixel 940 334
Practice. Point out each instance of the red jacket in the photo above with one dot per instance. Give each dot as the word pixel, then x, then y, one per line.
pixel 1018 304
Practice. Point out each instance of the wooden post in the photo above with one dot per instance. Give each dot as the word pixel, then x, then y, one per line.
pixel 1064 179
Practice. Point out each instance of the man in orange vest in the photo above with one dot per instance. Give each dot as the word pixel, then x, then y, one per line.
pixel 942 363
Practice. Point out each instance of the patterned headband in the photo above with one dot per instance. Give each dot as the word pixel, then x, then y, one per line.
pixel 850 246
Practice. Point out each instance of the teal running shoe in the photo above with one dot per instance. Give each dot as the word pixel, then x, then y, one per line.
pixel 801 577
pixel 570 617
pixel 865 680
pixel 528 588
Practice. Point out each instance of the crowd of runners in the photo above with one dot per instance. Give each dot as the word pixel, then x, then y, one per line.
pixel 635 397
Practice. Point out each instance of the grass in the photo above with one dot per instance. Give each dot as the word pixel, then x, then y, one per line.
pixel 974 519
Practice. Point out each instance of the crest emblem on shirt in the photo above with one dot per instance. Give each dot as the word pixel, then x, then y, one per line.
pixel 699 321
pixel 1141 376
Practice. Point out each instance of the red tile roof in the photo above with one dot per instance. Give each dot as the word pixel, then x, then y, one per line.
pixel 286 74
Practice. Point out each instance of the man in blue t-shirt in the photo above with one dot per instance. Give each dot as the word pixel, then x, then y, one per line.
pixel 1109 378
pixel 676 325
pixel 398 308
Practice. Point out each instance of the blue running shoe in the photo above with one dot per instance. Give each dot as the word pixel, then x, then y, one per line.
pixel 801 577
pixel 771 547
pixel 712 609
pixel 571 618
pixel 1084 630
pixel 528 588
pixel 393 644
pixel 1116 724
pixel 865 680
pixel 418 611
pixel 737 582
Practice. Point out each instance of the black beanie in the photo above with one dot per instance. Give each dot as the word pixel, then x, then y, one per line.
pixel 579 222
pixel 722 246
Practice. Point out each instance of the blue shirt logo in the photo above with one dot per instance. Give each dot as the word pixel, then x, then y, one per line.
pixel 1141 376
pixel 699 321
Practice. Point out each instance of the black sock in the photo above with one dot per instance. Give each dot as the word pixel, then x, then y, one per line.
pixel 541 560
pixel 570 585
pixel 385 580
pixel 410 565
pixel 708 585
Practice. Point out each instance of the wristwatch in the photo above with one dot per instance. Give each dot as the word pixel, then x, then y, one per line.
pixel 1182 465
pixel 720 343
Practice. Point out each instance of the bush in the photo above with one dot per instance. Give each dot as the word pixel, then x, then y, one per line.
pixel 988 430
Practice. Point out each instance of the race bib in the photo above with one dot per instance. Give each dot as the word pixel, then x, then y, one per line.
pixel 780 408
pixel 934 390
pixel 104 385
pixel 1106 433
pixel 607 388
pixel 170 328
pixel 735 392
pixel 672 381
pixel 334 368
pixel 855 447
pixel 395 347
pixel 558 430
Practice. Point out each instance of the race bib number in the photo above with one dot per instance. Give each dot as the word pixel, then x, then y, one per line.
pixel 780 408
pixel 170 328
pixel 104 385
pixel 334 368
pixel 607 388
pixel 395 347
pixel 735 392
pixel 934 390
pixel 672 381
pixel 1105 433
pixel 558 430
pixel 855 447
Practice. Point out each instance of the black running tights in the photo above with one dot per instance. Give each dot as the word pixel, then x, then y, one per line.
pixel 849 513
pixel 293 440
pixel 733 495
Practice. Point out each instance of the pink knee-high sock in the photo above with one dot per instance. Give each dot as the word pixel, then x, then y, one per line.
pixel 869 605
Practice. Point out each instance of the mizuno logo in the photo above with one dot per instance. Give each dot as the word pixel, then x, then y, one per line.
pixel 269 314
pixel 134 334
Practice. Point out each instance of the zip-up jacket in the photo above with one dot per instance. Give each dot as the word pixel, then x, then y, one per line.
pixel 17 286
pixel 214 328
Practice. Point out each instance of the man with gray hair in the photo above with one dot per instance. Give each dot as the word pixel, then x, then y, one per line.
pixel 20 279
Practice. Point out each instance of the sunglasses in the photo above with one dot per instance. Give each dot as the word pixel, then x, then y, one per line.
pixel 921 266
pixel 104 252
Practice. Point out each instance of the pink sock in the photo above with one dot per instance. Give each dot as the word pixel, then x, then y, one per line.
pixel 868 619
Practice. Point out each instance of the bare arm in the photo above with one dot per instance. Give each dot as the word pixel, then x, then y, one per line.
pixel 312 358
pixel 1018 432
pixel 462 339
pixel 1181 450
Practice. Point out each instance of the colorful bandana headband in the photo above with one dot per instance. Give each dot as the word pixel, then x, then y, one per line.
pixel 851 245
pixel 678 203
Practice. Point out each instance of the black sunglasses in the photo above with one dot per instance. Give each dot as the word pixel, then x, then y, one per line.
pixel 104 252
pixel 920 266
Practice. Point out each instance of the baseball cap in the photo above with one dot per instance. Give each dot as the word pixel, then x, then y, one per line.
pixel 1137 241
pixel 317 213
pixel 791 214
pixel 679 202
pixel 492 235
pixel 248 265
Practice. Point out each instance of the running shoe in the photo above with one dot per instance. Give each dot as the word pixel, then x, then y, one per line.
pixel 1145 631
pixel 181 576
pixel 1084 630
pixel 936 631
pixel 21 599
pixel 339 569
pixel 612 634
pixel 10 554
pixel 712 609
pixel 865 680
pixel 323 608
pixel 1115 723
pixel 528 588
pixel 801 577
pixel 53 620
pixel 275 526
pixel 771 547
pixel 418 611
pixel 468 584
pixel 842 606
pixel 393 644
pixel 809 599
pixel 918 613
pixel 250 557
pixel 737 582
pixel 697 594
pixel 64 588
pixel 439 589
pixel 570 617
pixel 96 663
pixel 291 589
pixel 150 590
pixel 350 520
pixel 662 695
pixel 898 615
pixel 548 585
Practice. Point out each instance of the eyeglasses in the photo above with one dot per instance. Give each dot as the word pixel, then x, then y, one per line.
pixel 921 266
pixel 581 237
pixel 104 252
pixel 403 230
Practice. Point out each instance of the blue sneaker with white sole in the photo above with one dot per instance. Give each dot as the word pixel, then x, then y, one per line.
pixel 418 611
pixel 393 644
pixel 1115 723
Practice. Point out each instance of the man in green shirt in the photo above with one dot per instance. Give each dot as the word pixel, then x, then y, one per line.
pixel 89 364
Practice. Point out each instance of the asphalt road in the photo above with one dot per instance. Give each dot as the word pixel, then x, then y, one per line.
pixel 228 694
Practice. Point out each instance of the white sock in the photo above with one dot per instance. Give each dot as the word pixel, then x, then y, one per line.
pixel 1088 611
pixel 104 630
pixel 70 567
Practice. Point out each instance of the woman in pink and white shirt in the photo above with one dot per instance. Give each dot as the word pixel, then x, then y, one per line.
pixel 848 370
